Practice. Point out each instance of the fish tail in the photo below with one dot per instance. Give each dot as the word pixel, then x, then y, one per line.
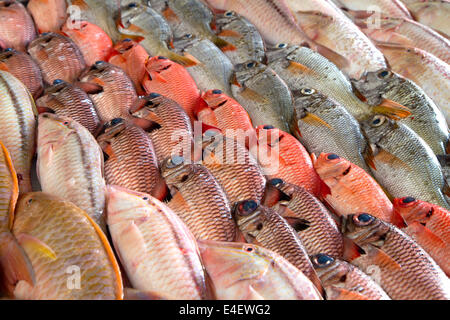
pixel 223 45
pixel 183 60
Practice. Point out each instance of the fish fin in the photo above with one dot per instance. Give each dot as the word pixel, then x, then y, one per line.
pixel 89 87
pixel 156 76
pixel 185 61
pixel 14 262
pixel 223 45
pixel 296 67
pixel 358 94
pixel 235 82
pixel 31 243
pixel 202 106
pixel 359 14
pixel 134 294
pixel 392 109
pixel 229 33
pixel 387 157
pixel 351 250
pixel 252 95
pixel 396 218
pixel 4 67
pixel 135 38
pixel 315 120
pixel 446 188
pixel 178 203
pixel 336 293
pixel 298 224
pixel 135 28
pixel 252 294
pixel 381 258
pixel 421 231
pixel 324 189
pixel 369 157
pixel 340 61
pixel 108 150
pixel 15 182
pixel 169 14
pixel 447 147
pixel 206 127
pixel 81 4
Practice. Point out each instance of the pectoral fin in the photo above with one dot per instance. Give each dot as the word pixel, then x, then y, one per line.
pixel 392 109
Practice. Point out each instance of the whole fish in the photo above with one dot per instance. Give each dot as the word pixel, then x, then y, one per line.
pixel 343 281
pixel 263 94
pixel 20 65
pixel 199 200
pixel 390 8
pixel 324 126
pixel 249 272
pixel 432 13
pixel 139 20
pixel 351 189
pixel 57 56
pixel 111 90
pixel 167 125
pixel 397 263
pixel 93 42
pixel 130 159
pixel 238 31
pixel 428 226
pixel 214 70
pixel 425 70
pixel 68 100
pixel 17 131
pixel 157 250
pixel 311 220
pixel 403 163
pixel 409 33
pixel 281 155
pixel 264 226
pixel 132 58
pixel 172 81
pixel 14 263
pixel 48 15
pixel 301 67
pixel 234 167
pixel 426 119
pixel 70 164
pixel 63 242
pixel 17 28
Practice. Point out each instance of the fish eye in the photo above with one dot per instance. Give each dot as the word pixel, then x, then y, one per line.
pixel 162 58
pixel 154 95
pixel 175 161
pixel 126 40
pixel 145 198
pixel 229 13
pixel 99 63
pixel 115 121
pixel 378 121
pixel 251 64
pixel 247 207
pixel 281 45
pixel 217 91
pixel 277 182
pixel 268 127
pixel 332 156
pixel 45 34
pixel 248 248
pixel 383 74
pixel 307 91
pixel 408 200
pixel 321 260
pixel 66 123
pixel 132 5
pixel 8 50
pixel 363 219
pixel 188 35
pixel 57 81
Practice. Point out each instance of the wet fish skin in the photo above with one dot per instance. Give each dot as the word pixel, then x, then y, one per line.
pixel 18 128
pixel 263 94
pixel 199 200
pixel 70 164
pixel 426 119
pixel 250 272
pixel 403 163
pixel 390 8
pixel 57 237
pixel 49 16
pixel 339 277
pixel 432 13
pixel 324 126
pixel 17 28
pixel 404 270
pixel 159 253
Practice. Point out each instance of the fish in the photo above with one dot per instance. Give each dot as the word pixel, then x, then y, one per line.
pixel 234 167
pixel 241 271
pixel 432 13
pixel 343 281
pixel 351 189
pixel 158 252
pixel 223 112
pixel 93 42
pixel 71 256
pixel 139 20
pixel 324 126
pixel 198 199
pixel 194 17
pixel 130 56
pixel 20 65
pixel 17 28
pixel 48 15
pixel 390 8
pixel 263 94
pixel 214 70
pixel 68 100
pixel 17 131
pixel 14 263
pixel 408 33
pixel 312 221
pixel 173 81
pixel 395 261
pixel 70 164
pixel 238 31
pixel 263 226
pixel 424 69
pixel 427 225
pixel 57 56
pixel 426 118
pixel 403 163
pixel 281 155
pixel 301 67
pixel 111 90
pixel 130 159
pixel 166 123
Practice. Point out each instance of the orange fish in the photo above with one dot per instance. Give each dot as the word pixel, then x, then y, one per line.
pixel 132 58
pixel 283 156
pixel 173 81
pixel 348 188
pixel 429 225
pixel 93 42
pixel 48 15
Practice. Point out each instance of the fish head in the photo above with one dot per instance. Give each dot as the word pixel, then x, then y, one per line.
pixel 250 218
pixel 185 41
pixel 7 54
pixel 129 11
pixel 376 127
pixel 110 131
pixel 54 129
pixel 307 100
pixel 372 85
pixel 175 170
pixel 226 18
pixel 57 87
pixel 125 45
pixel 413 210
pixel 216 98
pixel 31 203
pixel 280 51
pixel 330 165
pixel 247 70
pixel 364 229
pixel 159 64
pixel 329 270
pixel 217 4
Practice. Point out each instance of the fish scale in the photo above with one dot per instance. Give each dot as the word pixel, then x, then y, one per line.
pixel 17 28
